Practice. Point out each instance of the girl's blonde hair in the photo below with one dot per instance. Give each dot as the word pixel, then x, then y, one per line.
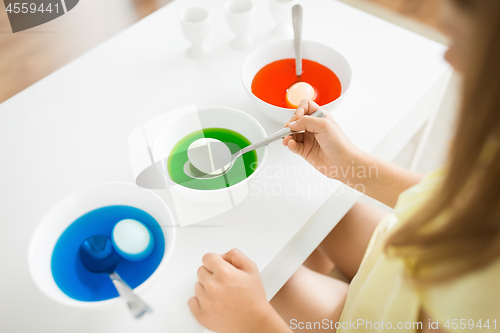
pixel 470 194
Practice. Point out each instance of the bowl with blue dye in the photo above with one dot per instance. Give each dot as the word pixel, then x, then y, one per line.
pixel 53 257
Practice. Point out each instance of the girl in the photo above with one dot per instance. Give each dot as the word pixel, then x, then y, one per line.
pixel 432 265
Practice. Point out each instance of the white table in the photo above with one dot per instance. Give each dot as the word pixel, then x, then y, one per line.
pixel 70 130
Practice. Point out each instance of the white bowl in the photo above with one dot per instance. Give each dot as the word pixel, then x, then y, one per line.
pixel 192 120
pixel 74 206
pixel 285 49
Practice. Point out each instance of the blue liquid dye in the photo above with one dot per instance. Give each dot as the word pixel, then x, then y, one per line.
pixel 78 283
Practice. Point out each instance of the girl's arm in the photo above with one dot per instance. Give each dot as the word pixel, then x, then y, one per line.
pixel 325 146
pixel 383 181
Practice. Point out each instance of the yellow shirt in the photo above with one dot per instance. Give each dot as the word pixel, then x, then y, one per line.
pixel 381 299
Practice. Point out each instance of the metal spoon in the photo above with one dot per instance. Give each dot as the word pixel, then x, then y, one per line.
pixel 299 89
pixel 210 158
pixel 98 256
pixel 297 34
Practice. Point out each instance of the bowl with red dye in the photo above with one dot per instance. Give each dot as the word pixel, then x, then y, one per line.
pixel 270 71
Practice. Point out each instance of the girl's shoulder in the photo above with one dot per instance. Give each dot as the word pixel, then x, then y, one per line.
pixel 412 200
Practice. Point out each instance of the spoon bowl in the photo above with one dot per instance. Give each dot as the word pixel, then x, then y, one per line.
pixel 210 156
pixel 99 256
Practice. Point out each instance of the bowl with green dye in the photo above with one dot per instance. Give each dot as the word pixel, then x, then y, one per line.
pixel 81 214
pixel 235 128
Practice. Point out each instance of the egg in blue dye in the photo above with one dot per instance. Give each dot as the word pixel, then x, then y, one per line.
pixel 132 240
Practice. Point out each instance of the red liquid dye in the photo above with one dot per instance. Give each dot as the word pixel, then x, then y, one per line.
pixel 271 82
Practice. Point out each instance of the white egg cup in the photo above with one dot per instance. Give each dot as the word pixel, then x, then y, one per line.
pixel 195 24
pixel 281 10
pixel 240 14
pixel 64 213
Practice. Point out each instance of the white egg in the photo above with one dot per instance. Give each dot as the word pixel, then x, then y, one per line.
pixel 299 91
pixel 131 236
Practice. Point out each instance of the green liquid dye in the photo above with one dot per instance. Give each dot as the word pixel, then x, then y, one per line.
pixel 242 168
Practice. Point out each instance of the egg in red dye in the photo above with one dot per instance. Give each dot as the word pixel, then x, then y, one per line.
pixel 271 82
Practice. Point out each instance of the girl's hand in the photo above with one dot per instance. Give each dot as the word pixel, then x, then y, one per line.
pixel 230 296
pixel 323 144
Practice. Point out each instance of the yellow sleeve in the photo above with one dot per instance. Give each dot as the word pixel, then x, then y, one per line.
pixel 473 299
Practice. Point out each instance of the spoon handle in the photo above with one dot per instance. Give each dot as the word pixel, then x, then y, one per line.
pixel 297 32
pixel 135 304
pixel 278 135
